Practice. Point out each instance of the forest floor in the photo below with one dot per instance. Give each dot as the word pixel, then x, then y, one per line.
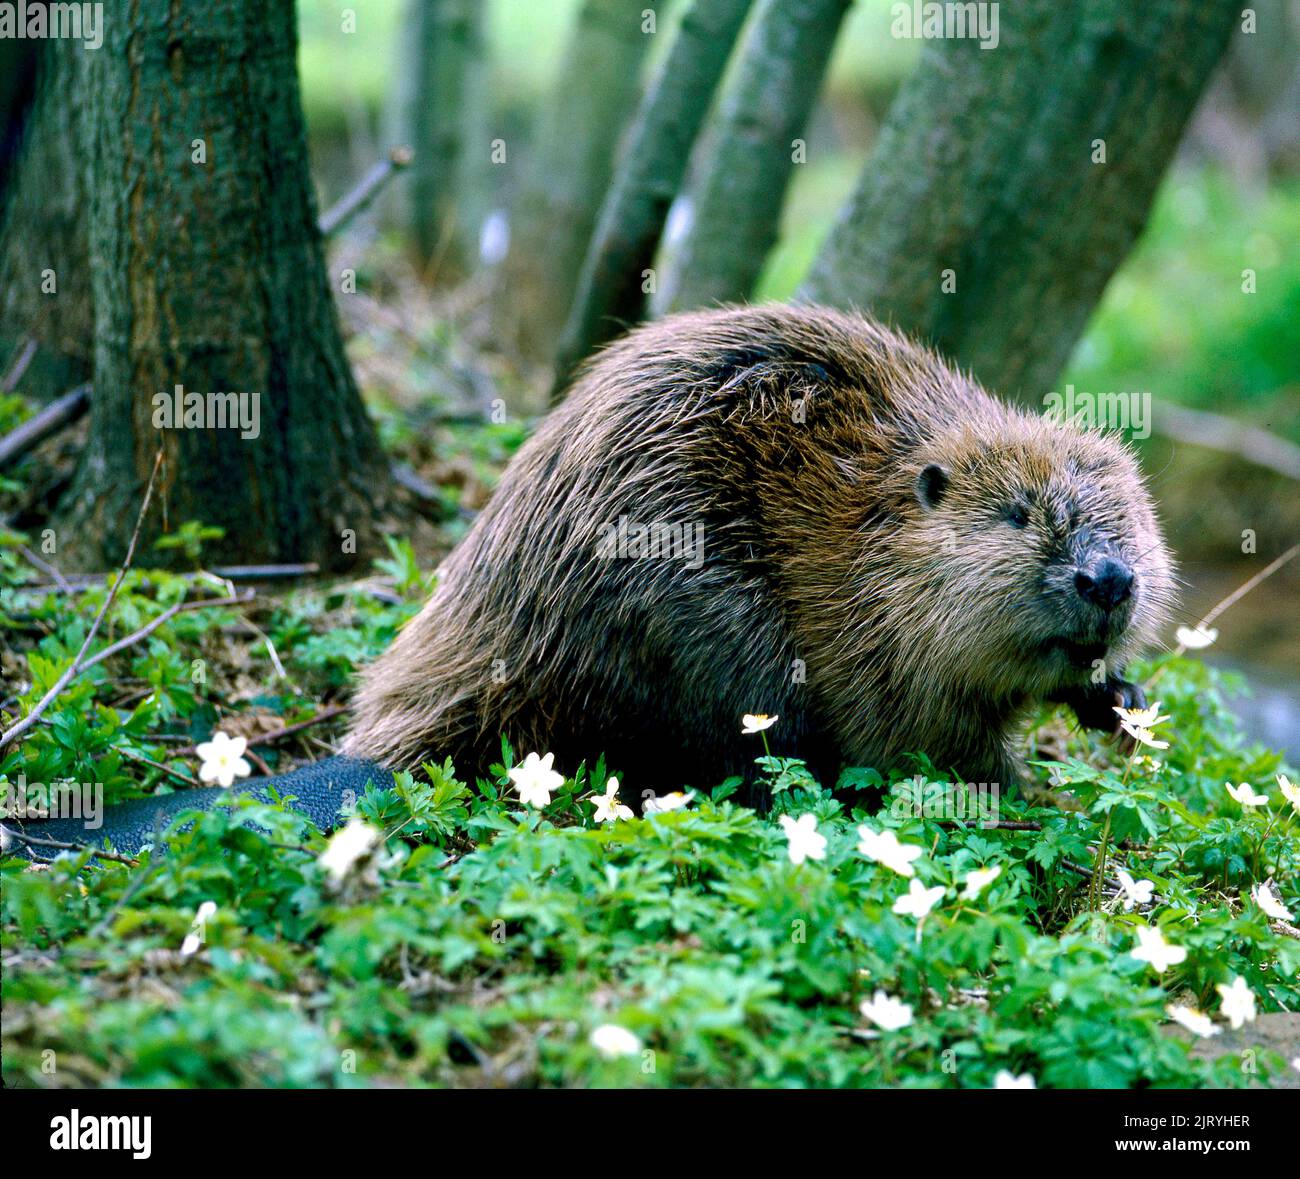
pixel 1132 922
pixel 902 933
pixel 937 941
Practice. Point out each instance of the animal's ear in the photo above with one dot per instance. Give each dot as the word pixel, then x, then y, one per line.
pixel 931 484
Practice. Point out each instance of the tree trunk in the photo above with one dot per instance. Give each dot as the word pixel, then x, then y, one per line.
pixel 746 155
pixel 18 65
pixel 44 273
pixel 987 178
pixel 566 179
pixel 610 296
pixel 209 274
pixel 444 118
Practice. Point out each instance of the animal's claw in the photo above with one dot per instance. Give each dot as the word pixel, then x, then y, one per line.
pixel 1095 704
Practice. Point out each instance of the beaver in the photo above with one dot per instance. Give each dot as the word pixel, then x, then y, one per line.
pixel 774 509
pixel 787 510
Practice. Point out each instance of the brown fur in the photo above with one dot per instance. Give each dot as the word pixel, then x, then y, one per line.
pixel 829 592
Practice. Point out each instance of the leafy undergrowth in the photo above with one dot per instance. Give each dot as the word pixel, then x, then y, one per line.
pixel 485 942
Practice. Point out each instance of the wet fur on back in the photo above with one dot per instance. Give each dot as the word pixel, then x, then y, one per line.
pixel 890 564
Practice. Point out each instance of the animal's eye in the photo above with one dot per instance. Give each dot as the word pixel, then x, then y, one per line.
pixel 1018 516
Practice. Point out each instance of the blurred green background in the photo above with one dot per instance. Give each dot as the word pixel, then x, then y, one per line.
pixel 1174 320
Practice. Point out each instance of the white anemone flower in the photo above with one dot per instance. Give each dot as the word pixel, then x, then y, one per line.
pixel 886 1012
pixel 884 848
pixel 347 846
pixel 1134 892
pixel 612 1041
pixel 805 843
pixel 1196 638
pixel 1194 1021
pixel 608 807
pixel 222 759
pixel 1238 1002
pixel 1245 794
pixel 534 780
pixel 918 900
pixel 1152 949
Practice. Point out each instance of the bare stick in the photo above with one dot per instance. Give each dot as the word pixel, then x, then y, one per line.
pixel 415 483
pixel 79 582
pixel 271 738
pixel 154 623
pixel 990 824
pixel 1231 600
pixel 19 366
pixel 157 765
pixel 265 572
pixel 367 188
pixel 18 729
pixel 323 715
pixel 1242 590
pixel 61 845
pixel 46 568
pixel 1225 434
pixel 59 413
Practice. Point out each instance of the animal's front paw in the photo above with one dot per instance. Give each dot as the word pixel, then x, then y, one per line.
pixel 1095 704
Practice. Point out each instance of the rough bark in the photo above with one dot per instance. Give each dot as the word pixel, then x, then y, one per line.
pixel 609 295
pixel 18 65
pixel 985 168
pixel 568 173
pixel 747 152
pixel 44 277
pixel 444 120
pixel 209 274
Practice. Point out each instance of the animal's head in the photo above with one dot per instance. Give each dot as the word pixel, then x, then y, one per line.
pixel 1047 555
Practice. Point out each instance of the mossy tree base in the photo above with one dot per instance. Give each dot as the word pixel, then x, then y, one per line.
pixel 209 274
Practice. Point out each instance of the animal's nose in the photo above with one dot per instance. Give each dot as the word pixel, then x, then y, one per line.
pixel 1108 583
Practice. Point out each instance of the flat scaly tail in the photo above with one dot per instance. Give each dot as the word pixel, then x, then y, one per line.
pixel 321 792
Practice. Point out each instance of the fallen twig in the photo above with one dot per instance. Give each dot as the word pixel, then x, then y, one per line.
pixel 131 755
pixel 367 188
pixel 1231 600
pixel 63 845
pixel 265 572
pixel 1218 432
pixel 19 366
pixel 154 623
pixel 415 483
pixel 59 413
pixel 271 738
pixel 74 668
pixel 46 568
pixel 991 824
pixel 76 583
pixel 323 715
